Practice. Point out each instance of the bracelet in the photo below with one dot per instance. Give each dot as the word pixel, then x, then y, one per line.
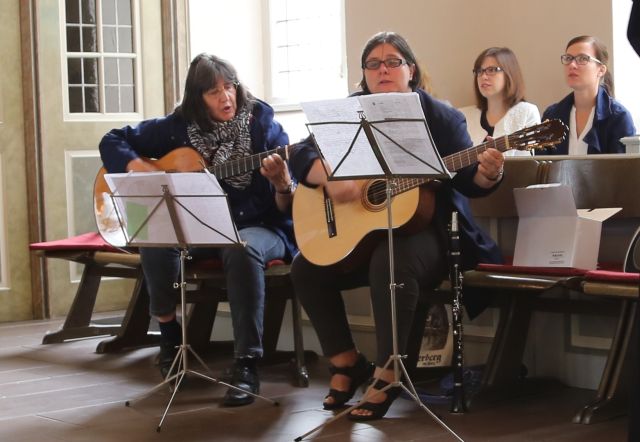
pixel 497 178
pixel 286 191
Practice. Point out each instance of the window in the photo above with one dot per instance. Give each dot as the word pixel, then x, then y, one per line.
pixel 101 57
pixel 307 56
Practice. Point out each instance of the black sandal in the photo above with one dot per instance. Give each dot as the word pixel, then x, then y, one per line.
pixel 359 373
pixel 378 410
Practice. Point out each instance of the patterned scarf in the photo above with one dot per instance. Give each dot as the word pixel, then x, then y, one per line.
pixel 226 141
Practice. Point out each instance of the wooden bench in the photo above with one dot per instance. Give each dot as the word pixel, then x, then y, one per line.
pixel 612 396
pixel 597 181
pixel 101 260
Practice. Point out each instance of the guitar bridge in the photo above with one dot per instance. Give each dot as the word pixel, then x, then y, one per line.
pixel 329 215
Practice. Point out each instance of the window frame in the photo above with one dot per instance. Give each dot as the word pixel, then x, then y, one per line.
pixel 136 55
pixel 290 103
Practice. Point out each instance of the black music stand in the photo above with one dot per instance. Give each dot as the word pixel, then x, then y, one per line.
pixel 386 137
pixel 182 215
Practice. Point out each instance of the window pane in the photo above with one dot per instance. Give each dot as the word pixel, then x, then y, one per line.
pixel 89 39
pixel 109 39
pixel 89 12
pixel 124 12
pixel 125 43
pixel 91 99
pixel 72 11
pixel 126 70
pixel 74 71
pixel 108 12
pixel 111 99
pixel 90 71
pixel 127 99
pixel 75 99
pixel 73 39
pixel 110 71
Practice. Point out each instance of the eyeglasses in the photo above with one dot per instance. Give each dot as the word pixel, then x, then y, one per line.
pixel 489 70
pixel 581 59
pixel 227 88
pixel 390 63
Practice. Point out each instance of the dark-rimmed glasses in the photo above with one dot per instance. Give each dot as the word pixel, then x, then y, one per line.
pixel 390 63
pixel 581 59
pixel 489 70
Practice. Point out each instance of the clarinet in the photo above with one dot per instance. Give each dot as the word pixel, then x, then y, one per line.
pixel 458 404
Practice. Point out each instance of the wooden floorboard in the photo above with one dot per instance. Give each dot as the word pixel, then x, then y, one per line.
pixel 67 392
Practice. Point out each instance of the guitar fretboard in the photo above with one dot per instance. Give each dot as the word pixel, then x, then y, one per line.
pixel 246 164
pixel 454 162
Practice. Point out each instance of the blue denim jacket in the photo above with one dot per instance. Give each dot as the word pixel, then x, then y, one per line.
pixel 610 123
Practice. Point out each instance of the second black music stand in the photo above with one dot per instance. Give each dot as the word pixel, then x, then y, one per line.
pixel 182 210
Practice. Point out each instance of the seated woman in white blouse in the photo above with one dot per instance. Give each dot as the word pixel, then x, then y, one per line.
pixel 500 105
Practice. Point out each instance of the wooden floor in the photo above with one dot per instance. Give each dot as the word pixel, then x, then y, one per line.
pixel 66 392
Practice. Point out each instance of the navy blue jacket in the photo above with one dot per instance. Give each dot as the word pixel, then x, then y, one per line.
pixel 253 206
pixel 448 128
pixel 611 121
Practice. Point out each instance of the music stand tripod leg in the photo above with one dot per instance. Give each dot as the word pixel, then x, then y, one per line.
pixel 181 362
pixel 395 358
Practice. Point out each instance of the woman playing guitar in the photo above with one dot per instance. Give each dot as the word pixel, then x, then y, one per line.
pixel 389 65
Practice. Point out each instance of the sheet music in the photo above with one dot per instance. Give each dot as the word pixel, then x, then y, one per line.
pixel 201 208
pixel 391 137
pixel 205 217
pixel 335 139
pixel 413 137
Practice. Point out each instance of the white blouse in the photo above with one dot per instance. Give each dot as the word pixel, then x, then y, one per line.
pixel 576 144
pixel 521 115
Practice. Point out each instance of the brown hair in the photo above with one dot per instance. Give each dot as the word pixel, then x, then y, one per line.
pixel 398 42
pixel 514 82
pixel 602 54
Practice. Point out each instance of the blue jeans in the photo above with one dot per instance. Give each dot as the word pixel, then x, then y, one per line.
pixel 244 272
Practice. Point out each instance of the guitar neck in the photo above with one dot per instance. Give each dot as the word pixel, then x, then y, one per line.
pixel 469 156
pixel 246 164
pixel 455 162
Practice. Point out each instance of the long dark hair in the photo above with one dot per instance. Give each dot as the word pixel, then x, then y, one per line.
pixel 398 42
pixel 602 54
pixel 204 72
pixel 514 82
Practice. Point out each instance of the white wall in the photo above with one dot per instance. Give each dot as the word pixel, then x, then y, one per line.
pixel 448 35
pixel 227 29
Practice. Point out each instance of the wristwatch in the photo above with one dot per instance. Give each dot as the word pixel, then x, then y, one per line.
pixel 287 190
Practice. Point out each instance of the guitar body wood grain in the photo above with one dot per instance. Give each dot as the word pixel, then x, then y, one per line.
pixel 355 221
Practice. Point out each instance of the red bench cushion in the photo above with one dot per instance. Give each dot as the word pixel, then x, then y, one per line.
pixel 86 241
pixel 606 275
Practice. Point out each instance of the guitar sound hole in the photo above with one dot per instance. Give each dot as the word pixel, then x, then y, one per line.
pixel 377 193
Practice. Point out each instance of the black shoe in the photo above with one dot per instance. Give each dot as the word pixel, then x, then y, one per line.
pixel 168 353
pixel 245 376
pixel 359 373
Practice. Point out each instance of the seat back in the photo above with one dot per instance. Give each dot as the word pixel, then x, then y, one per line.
pixel 497 213
pixel 605 181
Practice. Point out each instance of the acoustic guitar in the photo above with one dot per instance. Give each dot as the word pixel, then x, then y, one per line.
pixel 181 159
pixel 328 232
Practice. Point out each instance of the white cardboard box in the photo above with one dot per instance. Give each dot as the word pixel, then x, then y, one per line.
pixel 552 232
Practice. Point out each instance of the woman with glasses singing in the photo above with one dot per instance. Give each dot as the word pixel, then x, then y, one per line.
pixel 420 257
pixel 596 120
pixel 500 105
pixel 219 120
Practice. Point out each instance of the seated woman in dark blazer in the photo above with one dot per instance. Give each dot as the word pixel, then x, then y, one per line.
pixel 596 120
